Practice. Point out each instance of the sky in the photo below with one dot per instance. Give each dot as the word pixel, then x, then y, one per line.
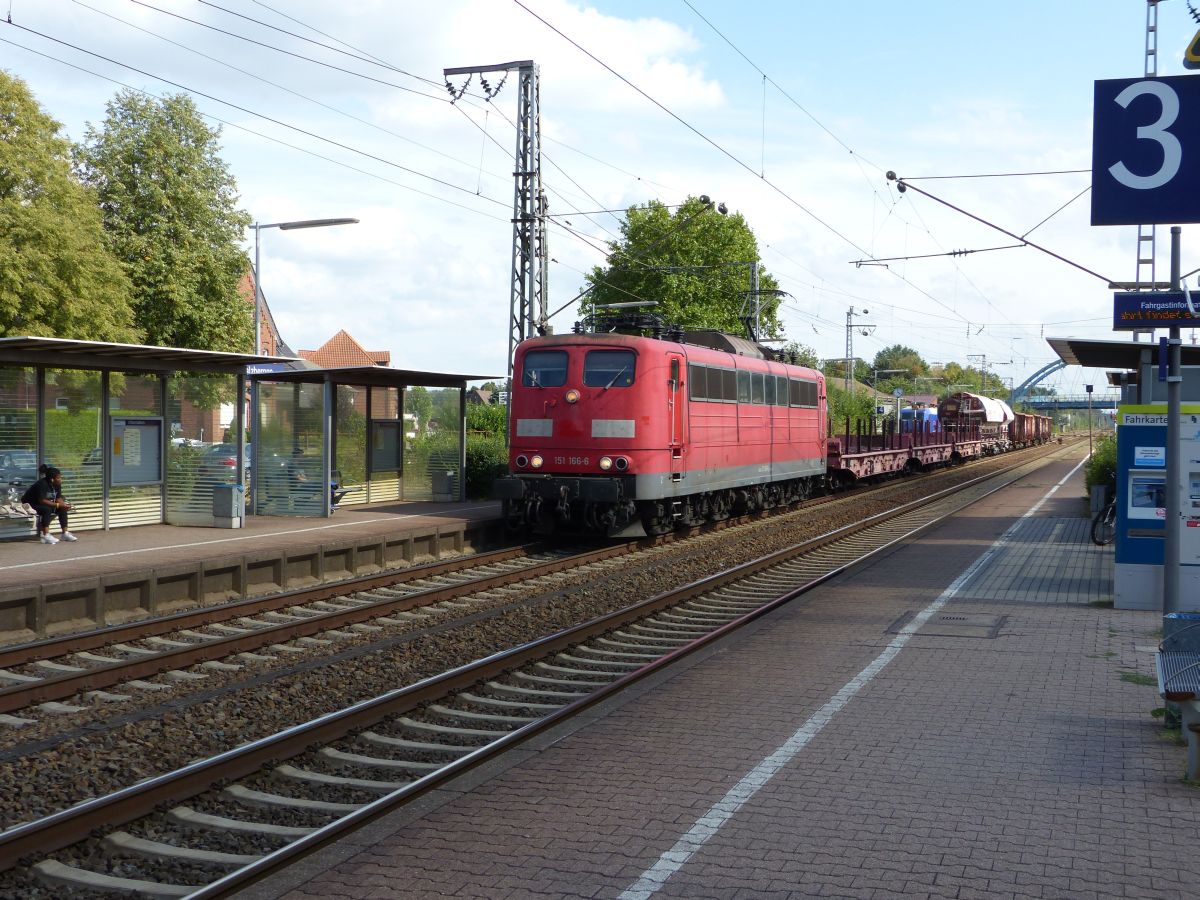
pixel 791 113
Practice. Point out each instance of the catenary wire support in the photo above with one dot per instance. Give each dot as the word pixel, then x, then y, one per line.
pixel 528 296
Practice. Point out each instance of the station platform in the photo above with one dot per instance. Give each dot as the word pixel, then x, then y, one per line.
pixel 1001 746
pixel 109 577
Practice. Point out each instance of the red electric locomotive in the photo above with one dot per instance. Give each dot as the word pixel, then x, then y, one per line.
pixel 622 434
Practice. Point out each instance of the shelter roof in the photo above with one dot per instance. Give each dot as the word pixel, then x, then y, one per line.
pixel 372 376
pixel 1113 354
pixel 72 354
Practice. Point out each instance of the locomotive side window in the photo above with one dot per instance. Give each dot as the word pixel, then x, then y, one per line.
pixel 781 390
pixel 544 368
pixel 769 399
pixel 743 386
pixel 608 368
pixel 729 390
pixel 794 391
pixel 804 393
pixel 698 376
pixel 756 386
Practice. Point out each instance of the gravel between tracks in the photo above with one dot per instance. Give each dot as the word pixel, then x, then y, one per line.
pixel 43 770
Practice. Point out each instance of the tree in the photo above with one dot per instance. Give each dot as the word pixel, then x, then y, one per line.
pixel 57 278
pixel 170 217
pixel 693 262
pixel 804 354
pixel 900 357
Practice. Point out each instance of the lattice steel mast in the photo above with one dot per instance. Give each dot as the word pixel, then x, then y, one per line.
pixel 529 298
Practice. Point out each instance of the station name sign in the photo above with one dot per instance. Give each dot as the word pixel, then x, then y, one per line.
pixel 1134 310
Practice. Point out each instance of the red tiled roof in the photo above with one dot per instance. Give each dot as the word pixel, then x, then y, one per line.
pixel 343 350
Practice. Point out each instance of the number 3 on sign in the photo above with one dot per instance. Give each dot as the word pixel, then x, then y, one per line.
pixel 1157 131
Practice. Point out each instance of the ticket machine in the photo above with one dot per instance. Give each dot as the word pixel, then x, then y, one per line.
pixel 1141 507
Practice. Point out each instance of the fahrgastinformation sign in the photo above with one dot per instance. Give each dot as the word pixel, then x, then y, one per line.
pixel 1139 311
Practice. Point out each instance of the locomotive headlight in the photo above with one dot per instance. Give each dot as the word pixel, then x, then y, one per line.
pixel 605 463
pixel 536 460
pixel 522 460
pixel 572 396
pixel 622 463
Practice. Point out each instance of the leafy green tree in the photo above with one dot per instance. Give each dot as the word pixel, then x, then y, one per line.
pixel 486 419
pixel 418 402
pixel 804 354
pixel 898 356
pixel 693 262
pixel 57 278
pixel 171 218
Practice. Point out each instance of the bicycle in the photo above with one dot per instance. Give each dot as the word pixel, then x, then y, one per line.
pixel 1104 524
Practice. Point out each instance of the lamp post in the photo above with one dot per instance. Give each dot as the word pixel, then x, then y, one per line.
pixel 282 226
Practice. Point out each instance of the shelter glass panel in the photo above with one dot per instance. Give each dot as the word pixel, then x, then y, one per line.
pixel 289 460
pixel 388 431
pixel 350 464
pixel 18 447
pixel 75 441
pixel 137 452
pixel 431 459
pixel 202 450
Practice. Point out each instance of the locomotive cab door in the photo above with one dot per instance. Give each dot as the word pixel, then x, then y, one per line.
pixel 675 399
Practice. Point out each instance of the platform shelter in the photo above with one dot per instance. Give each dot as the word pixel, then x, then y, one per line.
pixel 325 438
pixel 143 435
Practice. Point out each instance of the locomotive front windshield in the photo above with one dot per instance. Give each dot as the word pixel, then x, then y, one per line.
pixel 608 368
pixel 544 368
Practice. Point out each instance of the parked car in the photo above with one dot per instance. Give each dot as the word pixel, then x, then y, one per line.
pixel 220 462
pixel 18 465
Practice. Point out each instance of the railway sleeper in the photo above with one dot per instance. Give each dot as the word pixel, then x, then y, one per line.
pixel 434 728
pixel 644 640
pixel 535 692
pixel 267 800
pixel 506 704
pixel 307 776
pixel 341 758
pixel 666 632
pixel 124 842
pixel 190 818
pixel 471 716
pixel 386 740
pixel 59 874
pixel 561 682
pixel 598 663
pixel 582 673
pixel 618 655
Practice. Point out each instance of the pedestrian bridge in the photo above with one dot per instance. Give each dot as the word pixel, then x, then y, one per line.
pixel 1070 401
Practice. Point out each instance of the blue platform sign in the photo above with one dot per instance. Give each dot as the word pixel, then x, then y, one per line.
pixel 1138 311
pixel 1146 151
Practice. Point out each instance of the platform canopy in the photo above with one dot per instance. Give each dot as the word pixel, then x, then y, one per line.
pixel 371 376
pixel 1128 355
pixel 69 354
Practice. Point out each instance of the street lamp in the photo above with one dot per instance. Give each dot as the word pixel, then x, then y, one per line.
pixel 282 226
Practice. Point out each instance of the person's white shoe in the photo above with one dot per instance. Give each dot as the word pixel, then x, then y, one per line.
pixel 68 537
pixel 49 539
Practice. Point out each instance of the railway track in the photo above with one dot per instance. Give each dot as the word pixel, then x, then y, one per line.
pixel 58 677
pixel 286 794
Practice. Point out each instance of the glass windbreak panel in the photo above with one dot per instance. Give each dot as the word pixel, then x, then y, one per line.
pixel 135 455
pixel 18 448
pixel 385 439
pixel 289 461
pixel 698 375
pixel 544 368
pixel 431 456
pixel 75 441
pixel 350 465
pixel 202 446
pixel 609 368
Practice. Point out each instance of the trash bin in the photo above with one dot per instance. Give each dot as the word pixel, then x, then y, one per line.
pixel 229 505
pixel 445 486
